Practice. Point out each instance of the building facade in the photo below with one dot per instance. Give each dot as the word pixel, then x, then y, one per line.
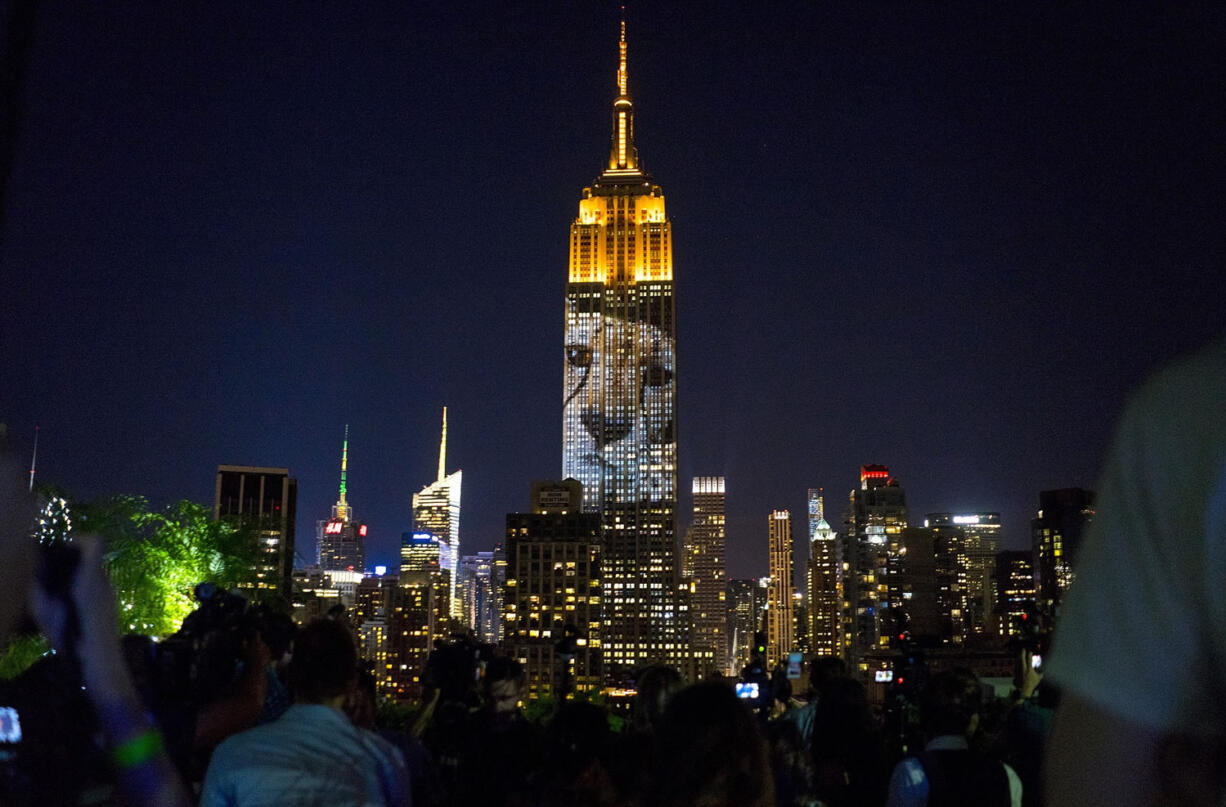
pixel 436 511
pixel 780 639
pixel 498 582
pixel 1056 532
pixel 412 612
pixel 930 577
pixel 824 582
pixel 553 600
pixel 875 519
pixel 423 564
pixel 481 610
pixel 981 542
pixel 1015 591
pixel 265 500
pixel 705 573
pixel 746 616
pixel 619 429
pixel 800 622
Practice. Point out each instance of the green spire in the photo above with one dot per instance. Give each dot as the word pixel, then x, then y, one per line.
pixel 344 466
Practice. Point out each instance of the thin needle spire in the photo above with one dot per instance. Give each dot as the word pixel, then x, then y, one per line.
pixel 624 156
pixel 34 459
pixel 622 74
pixel 442 449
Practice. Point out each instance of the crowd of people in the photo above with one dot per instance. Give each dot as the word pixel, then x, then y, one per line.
pixel 275 714
pixel 245 708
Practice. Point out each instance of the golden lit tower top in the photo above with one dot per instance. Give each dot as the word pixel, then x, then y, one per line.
pixel 622 234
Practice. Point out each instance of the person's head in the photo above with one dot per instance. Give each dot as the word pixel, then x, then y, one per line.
pixel 503 685
pixel 578 734
pixel 842 718
pixel 361 702
pixel 950 703
pixel 575 767
pixel 278 633
pixel 138 654
pixel 781 689
pixel 823 668
pixel 656 685
pixel 711 751
pixel 324 666
pixel 791 765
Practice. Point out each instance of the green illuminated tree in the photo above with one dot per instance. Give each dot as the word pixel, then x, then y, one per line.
pixel 156 558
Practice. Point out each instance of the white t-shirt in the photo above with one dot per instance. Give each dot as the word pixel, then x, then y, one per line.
pixel 1142 633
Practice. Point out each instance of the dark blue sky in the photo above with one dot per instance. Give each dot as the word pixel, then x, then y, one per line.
pixel 944 237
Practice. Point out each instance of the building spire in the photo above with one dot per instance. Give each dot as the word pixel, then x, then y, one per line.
pixel 442 449
pixel 821 505
pixel 34 459
pixel 341 511
pixel 623 156
pixel 344 464
pixel 621 65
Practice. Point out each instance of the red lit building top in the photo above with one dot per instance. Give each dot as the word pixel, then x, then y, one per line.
pixel 874 476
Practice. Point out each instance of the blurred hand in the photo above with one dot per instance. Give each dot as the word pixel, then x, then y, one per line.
pixel 97 644
pixel 17 511
pixel 258 655
pixel 105 674
pixel 1028 679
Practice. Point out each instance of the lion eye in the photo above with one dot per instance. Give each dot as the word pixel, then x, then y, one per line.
pixel 657 375
pixel 578 355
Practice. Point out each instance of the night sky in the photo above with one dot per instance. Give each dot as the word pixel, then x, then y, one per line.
pixel 947 237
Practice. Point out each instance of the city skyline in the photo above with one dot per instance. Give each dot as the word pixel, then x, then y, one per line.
pixel 1006 266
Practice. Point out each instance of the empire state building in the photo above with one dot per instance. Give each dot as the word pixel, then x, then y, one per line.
pixel 619 431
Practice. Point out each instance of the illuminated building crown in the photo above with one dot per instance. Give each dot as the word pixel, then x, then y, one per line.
pixel 623 155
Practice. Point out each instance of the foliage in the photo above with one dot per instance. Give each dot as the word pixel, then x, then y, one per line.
pixel 155 559
pixel 540 710
pixel 394 715
pixel 20 653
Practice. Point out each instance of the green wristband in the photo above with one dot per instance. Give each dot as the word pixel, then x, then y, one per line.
pixel 137 750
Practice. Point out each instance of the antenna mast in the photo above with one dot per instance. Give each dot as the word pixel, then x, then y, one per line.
pixel 442 449
pixel 34 458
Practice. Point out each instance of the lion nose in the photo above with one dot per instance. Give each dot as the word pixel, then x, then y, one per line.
pixel 604 430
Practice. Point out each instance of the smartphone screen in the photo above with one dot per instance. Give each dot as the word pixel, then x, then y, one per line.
pixel 749 691
pixel 1036 661
pixel 10 725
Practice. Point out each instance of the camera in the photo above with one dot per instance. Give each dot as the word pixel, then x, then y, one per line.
pixel 206 656
pixel 754 688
